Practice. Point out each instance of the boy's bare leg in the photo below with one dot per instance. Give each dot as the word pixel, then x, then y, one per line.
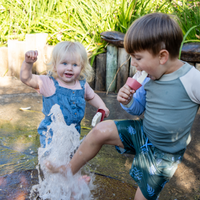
pixel 139 195
pixel 104 133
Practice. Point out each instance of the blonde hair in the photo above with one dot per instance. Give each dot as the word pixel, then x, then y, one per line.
pixel 74 49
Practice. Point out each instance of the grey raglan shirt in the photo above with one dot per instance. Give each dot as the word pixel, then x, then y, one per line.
pixel 170 106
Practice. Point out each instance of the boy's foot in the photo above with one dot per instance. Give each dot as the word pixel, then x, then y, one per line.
pixel 54 169
pixel 61 169
pixel 86 178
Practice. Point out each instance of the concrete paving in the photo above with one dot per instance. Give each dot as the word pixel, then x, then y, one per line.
pixel 184 185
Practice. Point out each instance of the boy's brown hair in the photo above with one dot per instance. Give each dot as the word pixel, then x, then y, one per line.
pixel 154 32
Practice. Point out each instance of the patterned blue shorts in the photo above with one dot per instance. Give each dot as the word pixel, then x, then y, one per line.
pixel 151 167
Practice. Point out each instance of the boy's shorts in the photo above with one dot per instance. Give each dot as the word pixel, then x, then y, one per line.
pixel 151 167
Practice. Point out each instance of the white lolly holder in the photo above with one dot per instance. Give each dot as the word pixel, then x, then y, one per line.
pixel 99 116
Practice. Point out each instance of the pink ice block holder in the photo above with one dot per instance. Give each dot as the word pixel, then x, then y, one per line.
pixel 103 113
pixel 133 84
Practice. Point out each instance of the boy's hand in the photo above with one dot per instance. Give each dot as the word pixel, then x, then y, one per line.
pixel 125 94
pixel 31 56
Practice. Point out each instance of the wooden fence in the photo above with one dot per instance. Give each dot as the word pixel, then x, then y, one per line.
pixel 111 68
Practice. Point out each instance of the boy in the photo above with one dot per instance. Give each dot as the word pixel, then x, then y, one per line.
pixel 169 99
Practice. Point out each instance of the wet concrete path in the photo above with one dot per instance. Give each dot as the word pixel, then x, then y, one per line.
pixel 118 185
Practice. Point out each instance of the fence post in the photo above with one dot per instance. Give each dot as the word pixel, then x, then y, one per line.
pixel 37 42
pixel 111 67
pixel 123 64
pixel 16 51
pixel 3 60
pixel 100 73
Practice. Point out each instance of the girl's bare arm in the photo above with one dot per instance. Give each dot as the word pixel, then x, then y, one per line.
pixel 26 75
pixel 97 102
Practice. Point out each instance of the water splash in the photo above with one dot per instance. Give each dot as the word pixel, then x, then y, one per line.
pixel 65 141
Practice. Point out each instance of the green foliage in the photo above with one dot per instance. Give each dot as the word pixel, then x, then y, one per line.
pixel 128 11
pixel 84 20
pixel 188 16
pixel 185 36
pixel 80 20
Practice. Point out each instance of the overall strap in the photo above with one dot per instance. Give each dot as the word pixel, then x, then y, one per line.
pixel 55 82
pixel 82 82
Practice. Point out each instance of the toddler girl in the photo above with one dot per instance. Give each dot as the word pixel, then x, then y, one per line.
pixel 64 85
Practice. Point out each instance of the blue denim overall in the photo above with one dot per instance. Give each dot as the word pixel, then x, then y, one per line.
pixel 72 104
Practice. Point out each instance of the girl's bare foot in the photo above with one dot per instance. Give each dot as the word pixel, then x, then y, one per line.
pixel 84 178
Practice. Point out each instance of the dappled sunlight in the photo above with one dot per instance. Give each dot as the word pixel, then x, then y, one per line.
pixel 23 181
pixel 21 144
pixel 184 178
pixel 8 167
pixel 21 196
pixel 2 182
pixel 86 122
pixel 6 86
pixel 18 150
pixel 186 182
pixel 128 164
pixel 16 153
pixel 6 81
pixel 16 186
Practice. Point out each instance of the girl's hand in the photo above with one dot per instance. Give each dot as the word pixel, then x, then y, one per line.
pixel 31 57
pixel 107 111
pixel 98 103
pixel 125 94
pixel 26 75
